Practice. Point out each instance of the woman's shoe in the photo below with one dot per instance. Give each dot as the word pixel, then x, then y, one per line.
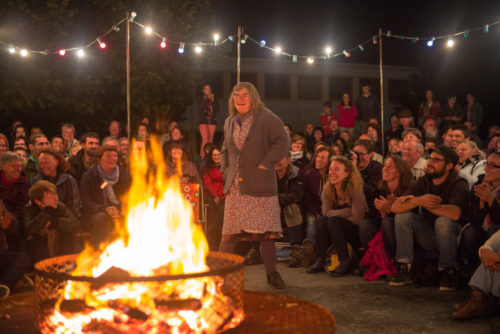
pixel 316 267
pixel 342 269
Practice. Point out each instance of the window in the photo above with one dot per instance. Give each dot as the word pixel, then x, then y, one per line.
pixel 247 77
pixel 309 87
pixel 338 86
pixel 399 92
pixel 277 86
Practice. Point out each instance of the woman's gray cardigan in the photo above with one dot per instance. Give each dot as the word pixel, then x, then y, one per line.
pixel 266 144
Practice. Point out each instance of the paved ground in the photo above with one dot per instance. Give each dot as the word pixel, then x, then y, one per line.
pixel 373 307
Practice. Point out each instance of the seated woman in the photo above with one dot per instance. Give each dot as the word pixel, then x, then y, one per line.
pixel 373 131
pixel 175 157
pixel 396 177
pixel 100 191
pixel 343 208
pixel 49 223
pixel 485 283
pixel 214 194
pixel 53 166
pixel 299 151
pixel 471 161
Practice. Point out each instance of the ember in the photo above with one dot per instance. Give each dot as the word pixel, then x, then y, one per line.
pixel 155 276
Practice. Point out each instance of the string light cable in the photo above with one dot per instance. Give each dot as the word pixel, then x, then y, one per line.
pixel 430 40
pixel 329 52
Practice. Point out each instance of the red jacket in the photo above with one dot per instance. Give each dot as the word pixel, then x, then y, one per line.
pixel 325 121
pixel 347 116
pixel 214 182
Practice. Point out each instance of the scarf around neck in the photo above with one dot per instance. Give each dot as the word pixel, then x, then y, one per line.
pixel 107 186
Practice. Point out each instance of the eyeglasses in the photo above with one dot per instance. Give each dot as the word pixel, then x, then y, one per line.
pixel 360 153
pixel 491 165
pixel 242 96
pixel 435 160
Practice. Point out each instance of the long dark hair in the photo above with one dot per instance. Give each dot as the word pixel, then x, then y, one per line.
pixel 209 161
pixel 342 99
pixel 405 176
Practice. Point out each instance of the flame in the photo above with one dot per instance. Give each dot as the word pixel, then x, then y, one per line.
pixel 157 237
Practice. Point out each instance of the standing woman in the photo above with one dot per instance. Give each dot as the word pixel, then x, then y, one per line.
pixel 347 114
pixel 207 109
pixel 254 141
pixel 343 207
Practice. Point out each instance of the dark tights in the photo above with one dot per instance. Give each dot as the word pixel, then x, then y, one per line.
pixel 268 252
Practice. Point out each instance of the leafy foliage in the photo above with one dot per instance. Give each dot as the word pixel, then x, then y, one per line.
pixel 50 90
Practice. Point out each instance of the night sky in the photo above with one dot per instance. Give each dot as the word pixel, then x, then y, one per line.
pixel 306 27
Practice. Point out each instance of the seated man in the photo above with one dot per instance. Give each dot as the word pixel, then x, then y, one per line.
pixel 429 212
pixel 290 194
pixel 371 170
pixel 50 225
pixel 484 211
pixel 413 156
pixel 100 191
pixel 485 283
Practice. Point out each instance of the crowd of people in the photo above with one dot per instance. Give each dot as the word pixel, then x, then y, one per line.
pixel 424 195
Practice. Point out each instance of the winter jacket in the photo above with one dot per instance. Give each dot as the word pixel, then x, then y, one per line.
pixel 77 166
pixel 92 195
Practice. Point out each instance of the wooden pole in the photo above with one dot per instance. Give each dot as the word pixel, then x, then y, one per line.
pixel 128 74
pixel 238 60
pixel 381 91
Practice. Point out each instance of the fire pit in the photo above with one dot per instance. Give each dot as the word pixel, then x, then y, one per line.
pixel 214 311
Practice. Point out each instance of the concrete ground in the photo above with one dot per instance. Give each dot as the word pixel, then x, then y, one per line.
pixel 360 306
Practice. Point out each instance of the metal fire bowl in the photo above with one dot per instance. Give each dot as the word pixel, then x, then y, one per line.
pixel 52 274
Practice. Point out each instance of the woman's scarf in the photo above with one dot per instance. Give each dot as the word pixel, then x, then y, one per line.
pixel 109 181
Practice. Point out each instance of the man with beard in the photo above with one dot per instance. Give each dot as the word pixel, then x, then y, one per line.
pixel 86 158
pixel 429 212
pixel 37 144
pixel 431 130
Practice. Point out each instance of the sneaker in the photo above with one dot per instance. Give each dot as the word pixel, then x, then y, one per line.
pixel 252 257
pixel 274 279
pixel 402 277
pixel 342 269
pixel 448 280
pixel 4 291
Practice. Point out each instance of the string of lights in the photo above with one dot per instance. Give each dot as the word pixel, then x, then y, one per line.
pixel 449 38
pixel 197 47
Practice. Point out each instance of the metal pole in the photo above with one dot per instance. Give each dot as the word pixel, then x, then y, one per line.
pixel 128 74
pixel 238 61
pixel 381 91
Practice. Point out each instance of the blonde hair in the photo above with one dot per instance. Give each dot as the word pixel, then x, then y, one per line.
pixel 255 102
pixel 351 185
pixel 475 149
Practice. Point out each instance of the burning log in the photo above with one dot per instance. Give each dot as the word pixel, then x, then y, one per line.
pixel 190 304
pixel 111 273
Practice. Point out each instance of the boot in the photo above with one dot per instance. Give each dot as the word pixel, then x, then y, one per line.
pixel 274 279
pixel 479 304
pixel 342 269
pixel 317 266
